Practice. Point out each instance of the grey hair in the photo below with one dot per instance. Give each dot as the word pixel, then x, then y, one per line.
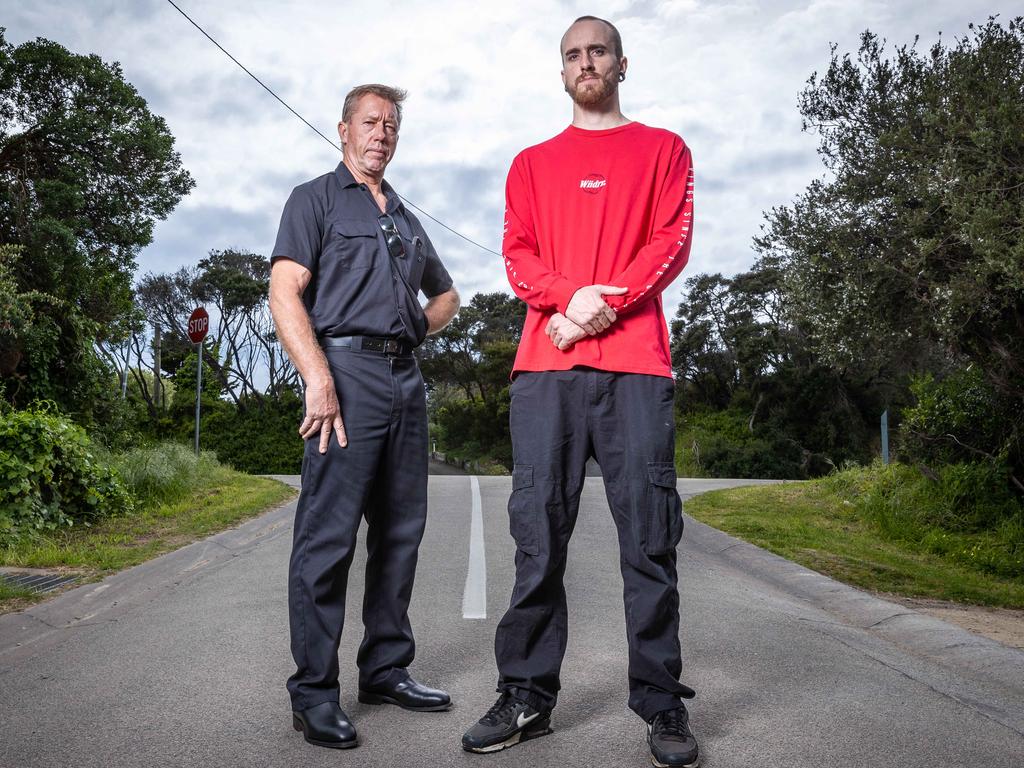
pixel 395 95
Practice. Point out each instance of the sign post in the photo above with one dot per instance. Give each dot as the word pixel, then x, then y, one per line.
pixel 885 436
pixel 198 326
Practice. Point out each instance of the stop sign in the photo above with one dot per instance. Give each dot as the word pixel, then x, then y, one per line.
pixel 198 325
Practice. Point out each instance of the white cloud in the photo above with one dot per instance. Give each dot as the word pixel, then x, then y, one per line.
pixel 483 82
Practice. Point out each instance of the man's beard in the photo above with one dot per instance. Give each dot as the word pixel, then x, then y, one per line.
pixel 586 94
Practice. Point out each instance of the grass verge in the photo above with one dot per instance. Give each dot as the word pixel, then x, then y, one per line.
pixel 832 526
pixel 219 499
pixel 14 598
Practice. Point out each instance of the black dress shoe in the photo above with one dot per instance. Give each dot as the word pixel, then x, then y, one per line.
pixel 325 725
pixel 407 694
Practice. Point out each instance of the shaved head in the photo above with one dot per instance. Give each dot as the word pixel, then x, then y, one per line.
pixel 616 37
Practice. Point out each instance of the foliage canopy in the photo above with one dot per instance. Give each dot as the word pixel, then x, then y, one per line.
pixel 915 239
pixel 85 171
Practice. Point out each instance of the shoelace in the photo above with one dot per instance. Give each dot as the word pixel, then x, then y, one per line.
pixel 502 707
pixel 671 722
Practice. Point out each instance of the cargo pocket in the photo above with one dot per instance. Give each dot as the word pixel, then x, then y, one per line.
pixel 522 509
pixel 664 509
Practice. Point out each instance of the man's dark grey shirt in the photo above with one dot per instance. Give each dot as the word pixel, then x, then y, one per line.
pixel 330 226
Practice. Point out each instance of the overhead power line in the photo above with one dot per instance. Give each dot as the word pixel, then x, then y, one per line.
pixel 312 127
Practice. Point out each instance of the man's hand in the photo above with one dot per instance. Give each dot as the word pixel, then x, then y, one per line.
pixel 323 413
pixel 589 311
pixel 563 332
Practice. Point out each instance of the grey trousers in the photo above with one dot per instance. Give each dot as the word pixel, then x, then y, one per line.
pixel 559 419
pixel 382 476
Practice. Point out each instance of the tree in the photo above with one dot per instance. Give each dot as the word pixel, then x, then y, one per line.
pixel 475 352
pixel 467 367
pixel 233 285
pixel 20 332
pixel 236 283
pixel 910 257
pixel 85 171
pixel 706 368
pixel 739 357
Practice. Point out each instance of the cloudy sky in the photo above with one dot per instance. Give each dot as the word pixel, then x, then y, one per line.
pixel 483 82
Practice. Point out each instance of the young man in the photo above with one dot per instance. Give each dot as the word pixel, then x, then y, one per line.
pixel 597 225
pixel 348 266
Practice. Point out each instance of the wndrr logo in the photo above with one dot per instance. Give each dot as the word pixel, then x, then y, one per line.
pixel 593 184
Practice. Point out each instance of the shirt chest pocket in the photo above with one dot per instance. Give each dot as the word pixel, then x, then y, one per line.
pixel 353 244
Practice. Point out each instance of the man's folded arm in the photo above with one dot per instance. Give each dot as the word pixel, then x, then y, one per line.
pixel 532 281
pixel 659 262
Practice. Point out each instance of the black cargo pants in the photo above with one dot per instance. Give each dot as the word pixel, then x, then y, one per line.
pixel 382 476
pixel 559 419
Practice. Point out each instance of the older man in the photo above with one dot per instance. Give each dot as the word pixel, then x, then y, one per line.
pixel 597 225
pixel 348 266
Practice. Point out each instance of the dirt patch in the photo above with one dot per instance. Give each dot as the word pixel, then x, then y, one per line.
pixel 1005 625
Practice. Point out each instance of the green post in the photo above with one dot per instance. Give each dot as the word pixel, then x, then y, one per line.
pixel 885 436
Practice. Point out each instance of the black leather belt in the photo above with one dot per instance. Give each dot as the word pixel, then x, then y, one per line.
pixel 376 344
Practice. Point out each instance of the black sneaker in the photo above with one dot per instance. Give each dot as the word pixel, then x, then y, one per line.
pixel 507 723
pixel 672 743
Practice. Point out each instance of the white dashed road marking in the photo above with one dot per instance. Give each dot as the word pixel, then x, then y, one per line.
pixel 474 596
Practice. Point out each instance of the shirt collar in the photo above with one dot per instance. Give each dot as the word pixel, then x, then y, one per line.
pixel 345 176
pixel 347 181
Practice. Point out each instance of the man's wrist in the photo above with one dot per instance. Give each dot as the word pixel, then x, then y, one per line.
pixel 563 293
pixel 319 380
pixel 615 302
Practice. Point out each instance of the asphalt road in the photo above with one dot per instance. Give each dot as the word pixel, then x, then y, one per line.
pixel 440 468
pixel 182 661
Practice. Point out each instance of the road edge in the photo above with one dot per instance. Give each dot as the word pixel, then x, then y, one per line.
pixel 923 635
pixel 44 625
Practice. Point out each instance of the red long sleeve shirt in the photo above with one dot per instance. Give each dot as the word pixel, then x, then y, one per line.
pixel 611 207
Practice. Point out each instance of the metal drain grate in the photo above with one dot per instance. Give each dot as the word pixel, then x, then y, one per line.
pixel 36 581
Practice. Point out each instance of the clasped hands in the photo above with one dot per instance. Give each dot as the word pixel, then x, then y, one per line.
pixel 586 315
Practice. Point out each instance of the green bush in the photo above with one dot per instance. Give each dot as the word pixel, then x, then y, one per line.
pixel 961 418
pixel 476 429
pixel 963 511
pixel 163 473
pixel 117 423
pixel 51 475
pixel 778 459
pixel 259 436
pixel 720 444
pixel 963 421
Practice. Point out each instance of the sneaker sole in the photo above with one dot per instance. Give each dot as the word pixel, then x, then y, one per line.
pixel 694 764
pixel 377 698
pixel 542 728
pixel 297 725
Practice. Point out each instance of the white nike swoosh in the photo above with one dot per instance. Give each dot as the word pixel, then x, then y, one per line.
pixel 523 720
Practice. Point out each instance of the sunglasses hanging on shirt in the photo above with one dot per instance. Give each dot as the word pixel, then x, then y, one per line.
pixel 392 236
